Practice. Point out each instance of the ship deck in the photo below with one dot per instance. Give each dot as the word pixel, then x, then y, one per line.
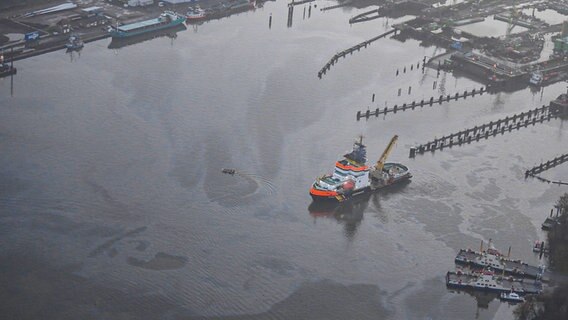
pixel 139 25
pixel 523 286
pixel 515 267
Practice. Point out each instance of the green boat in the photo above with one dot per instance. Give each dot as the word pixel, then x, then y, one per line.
pixel 167 19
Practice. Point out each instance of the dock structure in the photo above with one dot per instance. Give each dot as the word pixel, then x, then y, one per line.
pixel 414 104
pixel 534 171
pixel 356 47
pixel 487 281
pixel 519 21
pixel 488 67
pixel 560 105
pixel 508 124
pixel 500 73
pixel 365 16
pixel 500 263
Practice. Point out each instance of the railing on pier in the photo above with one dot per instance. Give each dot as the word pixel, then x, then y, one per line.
pixel 536 170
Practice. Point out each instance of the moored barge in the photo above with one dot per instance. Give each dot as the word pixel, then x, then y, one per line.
pixel 491 258
pixel 167 19
pixel 489 281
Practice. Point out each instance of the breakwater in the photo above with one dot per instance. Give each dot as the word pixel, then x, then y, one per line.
pixel 414 104
pixel 484 131
pixel 536 170
pixel 356 47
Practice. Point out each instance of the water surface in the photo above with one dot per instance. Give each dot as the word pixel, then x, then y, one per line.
pixel 113 203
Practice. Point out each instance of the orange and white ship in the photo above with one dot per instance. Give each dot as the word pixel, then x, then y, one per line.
pixel 352 177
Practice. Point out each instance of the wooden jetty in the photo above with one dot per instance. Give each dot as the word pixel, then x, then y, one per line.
pixel 508 124
pixel 412 106
pixel 356 47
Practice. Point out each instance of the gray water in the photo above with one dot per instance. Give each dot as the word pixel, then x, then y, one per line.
pixel 113 204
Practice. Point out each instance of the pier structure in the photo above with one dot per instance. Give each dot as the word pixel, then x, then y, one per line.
pixel 412 106
pixel 366 16
pixel 508 124
pixel 356 47
pixel 536 170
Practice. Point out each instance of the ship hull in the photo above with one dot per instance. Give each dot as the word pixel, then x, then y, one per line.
pixel 340 198
pixel 357 193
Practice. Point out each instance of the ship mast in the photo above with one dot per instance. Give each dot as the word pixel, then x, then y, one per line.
pixel 381 163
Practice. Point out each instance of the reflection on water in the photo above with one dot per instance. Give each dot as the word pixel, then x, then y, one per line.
pixel 350 213
pixel 482 298
pixel 74 54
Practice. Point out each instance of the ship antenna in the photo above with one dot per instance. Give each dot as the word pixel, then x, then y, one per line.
pixel 360 139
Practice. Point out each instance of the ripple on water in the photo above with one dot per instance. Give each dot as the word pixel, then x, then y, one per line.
pixel 326 300
pixel 240 188
pixel 160 261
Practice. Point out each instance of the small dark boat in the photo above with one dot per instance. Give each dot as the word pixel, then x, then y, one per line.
pixel 228 171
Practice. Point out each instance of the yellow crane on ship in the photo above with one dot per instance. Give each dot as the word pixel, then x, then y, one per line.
pixel 381 162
